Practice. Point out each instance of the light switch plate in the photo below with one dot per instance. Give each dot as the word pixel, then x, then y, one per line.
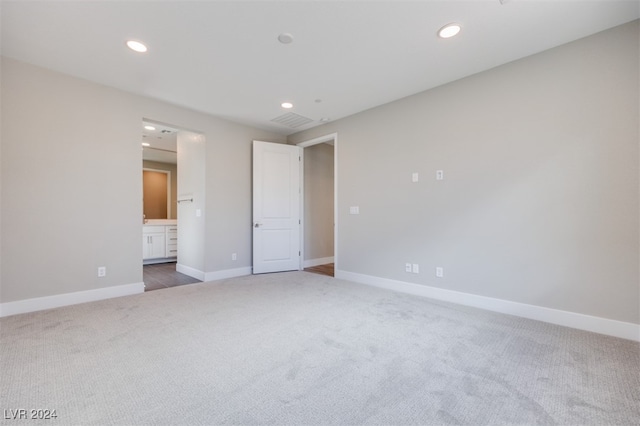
pixel 354 210
pixel 415 177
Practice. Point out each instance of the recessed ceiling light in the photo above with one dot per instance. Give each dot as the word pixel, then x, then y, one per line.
pixel 146 144
pixel 449 30
pixel 324 119
pixel 286 105
pixel 136 46
pixel 149 127
pixel 285 38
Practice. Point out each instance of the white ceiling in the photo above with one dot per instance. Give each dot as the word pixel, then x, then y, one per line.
pixel 224 58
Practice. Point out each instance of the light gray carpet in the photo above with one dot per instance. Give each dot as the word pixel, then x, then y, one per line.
pixel 301 348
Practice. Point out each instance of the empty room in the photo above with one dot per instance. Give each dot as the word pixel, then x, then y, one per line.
pixel 362 212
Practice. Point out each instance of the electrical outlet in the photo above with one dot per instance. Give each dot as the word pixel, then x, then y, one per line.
pixel 102 271
pixel 407 267
pixel 415 268
pixel 439 175
pixel 234 256
pixel 439 272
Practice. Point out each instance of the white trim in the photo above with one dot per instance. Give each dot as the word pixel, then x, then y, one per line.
pixel 301 210
pixel 320 139
pixel 305 144
pixel 319 261
pixel 606 326
pixel 192 272
pixel 335 198
pixel 66 299
pixel 227 273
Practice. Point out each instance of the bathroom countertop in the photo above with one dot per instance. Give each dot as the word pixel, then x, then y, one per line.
pixel 151 222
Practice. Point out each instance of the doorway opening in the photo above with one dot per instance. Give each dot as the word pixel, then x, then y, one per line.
pixel 169 233
pixel 319 205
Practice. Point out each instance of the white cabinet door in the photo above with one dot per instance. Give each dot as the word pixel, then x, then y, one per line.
pixel 153 246
pixel 157 246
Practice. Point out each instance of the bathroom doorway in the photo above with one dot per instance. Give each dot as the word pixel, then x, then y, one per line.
pixel 164 231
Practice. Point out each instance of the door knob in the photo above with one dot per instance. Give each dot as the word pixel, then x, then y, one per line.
pixel 257 225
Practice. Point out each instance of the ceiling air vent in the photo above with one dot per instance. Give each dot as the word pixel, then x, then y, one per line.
pixel 292 120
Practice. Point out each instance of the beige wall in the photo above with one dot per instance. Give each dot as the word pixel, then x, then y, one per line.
pixel 87 211
pixel 318 201
pixel 174 182
pixel 191 186
pixel 539 204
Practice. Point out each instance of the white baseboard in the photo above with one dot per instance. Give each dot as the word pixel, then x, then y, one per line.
pixel 192 272
pixel 59 300
pixel 227 273
pixel 606 326
pixel 315 262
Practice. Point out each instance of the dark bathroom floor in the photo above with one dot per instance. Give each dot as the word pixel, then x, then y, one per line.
pixel 164 275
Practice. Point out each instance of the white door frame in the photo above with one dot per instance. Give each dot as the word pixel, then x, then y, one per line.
pixel 305 144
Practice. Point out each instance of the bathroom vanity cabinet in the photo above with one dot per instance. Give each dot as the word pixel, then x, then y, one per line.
pixel 159 243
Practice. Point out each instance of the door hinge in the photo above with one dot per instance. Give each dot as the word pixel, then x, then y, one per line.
pixel 299 222
pixel 299 253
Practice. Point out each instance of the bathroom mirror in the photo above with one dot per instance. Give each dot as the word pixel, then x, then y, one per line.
pixel 159 171
pixel 156 192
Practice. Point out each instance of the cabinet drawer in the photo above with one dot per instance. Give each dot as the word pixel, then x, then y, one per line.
pixel 172 236
pixel 172 228
pixel 153 229
pixel 172 250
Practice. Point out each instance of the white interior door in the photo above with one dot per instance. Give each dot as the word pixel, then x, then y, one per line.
pixel 276 207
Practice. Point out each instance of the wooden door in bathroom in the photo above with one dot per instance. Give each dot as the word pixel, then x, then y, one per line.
pixel 155 184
